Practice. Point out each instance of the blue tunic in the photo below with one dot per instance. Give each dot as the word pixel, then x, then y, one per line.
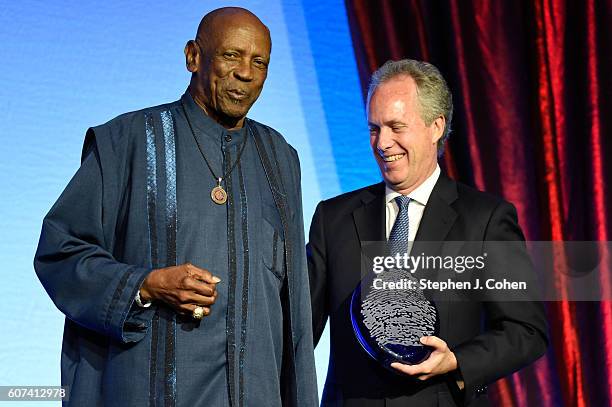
pixel 141 200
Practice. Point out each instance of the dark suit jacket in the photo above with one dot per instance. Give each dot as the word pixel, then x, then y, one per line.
pixel 490 339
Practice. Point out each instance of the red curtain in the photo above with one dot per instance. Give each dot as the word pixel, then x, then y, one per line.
pixel 532 86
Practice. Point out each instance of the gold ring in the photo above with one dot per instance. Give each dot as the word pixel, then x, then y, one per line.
pixel 198 313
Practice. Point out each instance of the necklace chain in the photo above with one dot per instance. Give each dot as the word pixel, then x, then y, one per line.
pixel 229 171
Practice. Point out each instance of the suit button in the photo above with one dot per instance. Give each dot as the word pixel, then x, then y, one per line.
pixel 228 137
pixel 481 390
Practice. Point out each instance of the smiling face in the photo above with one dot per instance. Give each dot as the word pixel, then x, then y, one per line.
pixel 403 144
pixel 229 61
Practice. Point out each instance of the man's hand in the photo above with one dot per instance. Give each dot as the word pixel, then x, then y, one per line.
pixel 182 287
pixel 441 361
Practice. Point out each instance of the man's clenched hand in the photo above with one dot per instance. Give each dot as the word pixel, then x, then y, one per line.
pixel 183 287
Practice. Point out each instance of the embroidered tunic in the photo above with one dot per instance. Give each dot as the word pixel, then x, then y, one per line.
pixel 141 200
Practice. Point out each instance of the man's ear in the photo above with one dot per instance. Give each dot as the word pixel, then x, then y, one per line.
pixel 192 56
pixel 438 126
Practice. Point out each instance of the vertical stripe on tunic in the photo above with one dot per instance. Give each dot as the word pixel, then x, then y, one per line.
pixel 245 283
pixel 171 228
pixel 231 296
pixel 163 327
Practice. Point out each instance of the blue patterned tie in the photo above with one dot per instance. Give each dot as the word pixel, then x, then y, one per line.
pixel 398 238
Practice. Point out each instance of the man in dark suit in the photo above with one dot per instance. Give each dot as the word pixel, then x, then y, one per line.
pixel 409 110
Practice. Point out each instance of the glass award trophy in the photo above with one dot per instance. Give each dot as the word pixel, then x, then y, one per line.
pixel 389 314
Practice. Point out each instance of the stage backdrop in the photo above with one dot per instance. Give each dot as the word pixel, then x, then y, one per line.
pixel 532 89
pixel 70 65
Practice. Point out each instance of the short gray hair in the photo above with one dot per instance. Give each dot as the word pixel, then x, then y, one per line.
pixel 434 96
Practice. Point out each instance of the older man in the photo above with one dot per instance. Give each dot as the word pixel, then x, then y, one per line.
pixel 177 250
pixel 409 112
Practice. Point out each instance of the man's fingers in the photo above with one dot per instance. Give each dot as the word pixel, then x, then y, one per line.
pixel 434 342
pixel 410 370
pixel 200 287
pixel 201 274
pixel 194 298
pixel 423 368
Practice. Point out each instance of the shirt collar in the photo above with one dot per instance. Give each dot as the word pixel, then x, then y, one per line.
pixel 421 193
pixel 202 122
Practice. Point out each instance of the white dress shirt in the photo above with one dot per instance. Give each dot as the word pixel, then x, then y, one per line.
pixel 419 198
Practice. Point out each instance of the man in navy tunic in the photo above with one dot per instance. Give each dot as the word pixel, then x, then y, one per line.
pixel 176 252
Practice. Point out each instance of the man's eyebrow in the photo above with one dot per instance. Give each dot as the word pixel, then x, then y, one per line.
pixel 392 123
pixel 243 50
pixel 389 123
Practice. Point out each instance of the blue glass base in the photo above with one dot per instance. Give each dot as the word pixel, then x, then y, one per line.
pixel 385 349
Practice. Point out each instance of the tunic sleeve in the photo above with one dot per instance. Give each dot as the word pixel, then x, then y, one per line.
pixel 76 267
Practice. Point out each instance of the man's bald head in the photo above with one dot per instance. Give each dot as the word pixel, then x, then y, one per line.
pixel 229 64
pixel 212 21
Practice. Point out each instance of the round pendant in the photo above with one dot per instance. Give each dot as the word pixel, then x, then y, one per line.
pixel 218 195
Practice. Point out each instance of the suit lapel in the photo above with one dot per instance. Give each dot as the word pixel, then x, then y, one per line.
pixel 369 220
pixel 437 221
pixel 439 216
pixel 370 217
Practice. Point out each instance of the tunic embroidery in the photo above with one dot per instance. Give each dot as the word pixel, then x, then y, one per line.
pixel 231 296
pixel 245 284
pixel 163 316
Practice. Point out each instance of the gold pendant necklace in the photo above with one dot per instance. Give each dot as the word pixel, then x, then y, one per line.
pixel 217 194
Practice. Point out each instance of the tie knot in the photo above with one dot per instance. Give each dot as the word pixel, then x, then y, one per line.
pixel 402 202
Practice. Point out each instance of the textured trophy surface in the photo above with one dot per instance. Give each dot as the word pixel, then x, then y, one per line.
pixel 388 323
